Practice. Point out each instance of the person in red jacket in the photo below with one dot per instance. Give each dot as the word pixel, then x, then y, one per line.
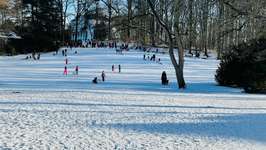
pixel 65 70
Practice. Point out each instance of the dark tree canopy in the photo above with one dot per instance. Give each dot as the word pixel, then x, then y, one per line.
pixel 41 30
pixel 100 32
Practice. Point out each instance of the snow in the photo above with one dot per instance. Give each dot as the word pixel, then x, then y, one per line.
pixel 40 108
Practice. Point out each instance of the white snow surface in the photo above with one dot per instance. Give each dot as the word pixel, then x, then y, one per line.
pixel 40 108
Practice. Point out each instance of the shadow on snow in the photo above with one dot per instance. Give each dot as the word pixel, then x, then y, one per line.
pixel 242 126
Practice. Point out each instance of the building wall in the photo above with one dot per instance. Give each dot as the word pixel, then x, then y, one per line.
pixel 83 35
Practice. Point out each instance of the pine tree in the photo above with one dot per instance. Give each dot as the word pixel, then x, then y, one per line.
pixel 43 25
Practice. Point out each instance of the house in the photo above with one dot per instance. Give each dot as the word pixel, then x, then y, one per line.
pixel 85 29
pixel 5 36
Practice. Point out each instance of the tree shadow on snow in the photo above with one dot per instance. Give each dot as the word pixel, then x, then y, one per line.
pixel 198 88
pixel 244 126
pixel 124 105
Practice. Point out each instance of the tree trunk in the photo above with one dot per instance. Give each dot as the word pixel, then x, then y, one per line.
pixel 205 26
pixel 178 67
pixel 62 28
pixel 109 19
pixel 220 29
pixel 129 15
pixel 190 24
pixel 152 24
pixel 77 21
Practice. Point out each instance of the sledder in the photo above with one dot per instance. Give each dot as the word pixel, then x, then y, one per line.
pixel 96 80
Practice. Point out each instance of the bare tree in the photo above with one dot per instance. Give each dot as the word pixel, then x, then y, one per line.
pixel 3 10
pixel 180 65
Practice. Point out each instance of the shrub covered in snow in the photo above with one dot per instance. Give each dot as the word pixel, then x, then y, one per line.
pixel 244 66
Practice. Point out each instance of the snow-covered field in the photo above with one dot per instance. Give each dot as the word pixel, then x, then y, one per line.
pixel 42 109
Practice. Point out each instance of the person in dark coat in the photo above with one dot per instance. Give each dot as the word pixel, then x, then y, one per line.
pixel 113 68
pixel 153 57
pixel 95 80
pixel 119 68
pixel 77 70
pixel 164 78
pixel 103 76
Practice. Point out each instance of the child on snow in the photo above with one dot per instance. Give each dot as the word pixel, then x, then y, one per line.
pixel 77 70
pixel 65 70
pixel 113 68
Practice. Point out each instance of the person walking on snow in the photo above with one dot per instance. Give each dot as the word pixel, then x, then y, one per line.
pixel 119 68
pixel 77 70
pixel 113 68
pixel 65 70
pixel 66 61
pixel 103 76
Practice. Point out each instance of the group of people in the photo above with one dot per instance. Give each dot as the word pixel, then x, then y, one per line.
pixel 34 56
pixel 76 72
pixel 76 69
pixel 152 58
pixel 95 80
pixel 97 44
pixel 64 52
pixel 164 79
pixel 103 76
pixel 119 68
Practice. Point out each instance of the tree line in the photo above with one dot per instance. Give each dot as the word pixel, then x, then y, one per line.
pixel 201 24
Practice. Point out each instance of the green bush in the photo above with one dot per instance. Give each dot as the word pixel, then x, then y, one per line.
pixel 244 66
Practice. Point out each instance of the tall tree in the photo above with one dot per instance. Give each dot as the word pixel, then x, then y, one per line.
pixel 43 25
pixel 77 19
pixel 179 66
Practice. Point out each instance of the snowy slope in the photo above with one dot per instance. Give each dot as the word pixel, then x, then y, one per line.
pixel 42 109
